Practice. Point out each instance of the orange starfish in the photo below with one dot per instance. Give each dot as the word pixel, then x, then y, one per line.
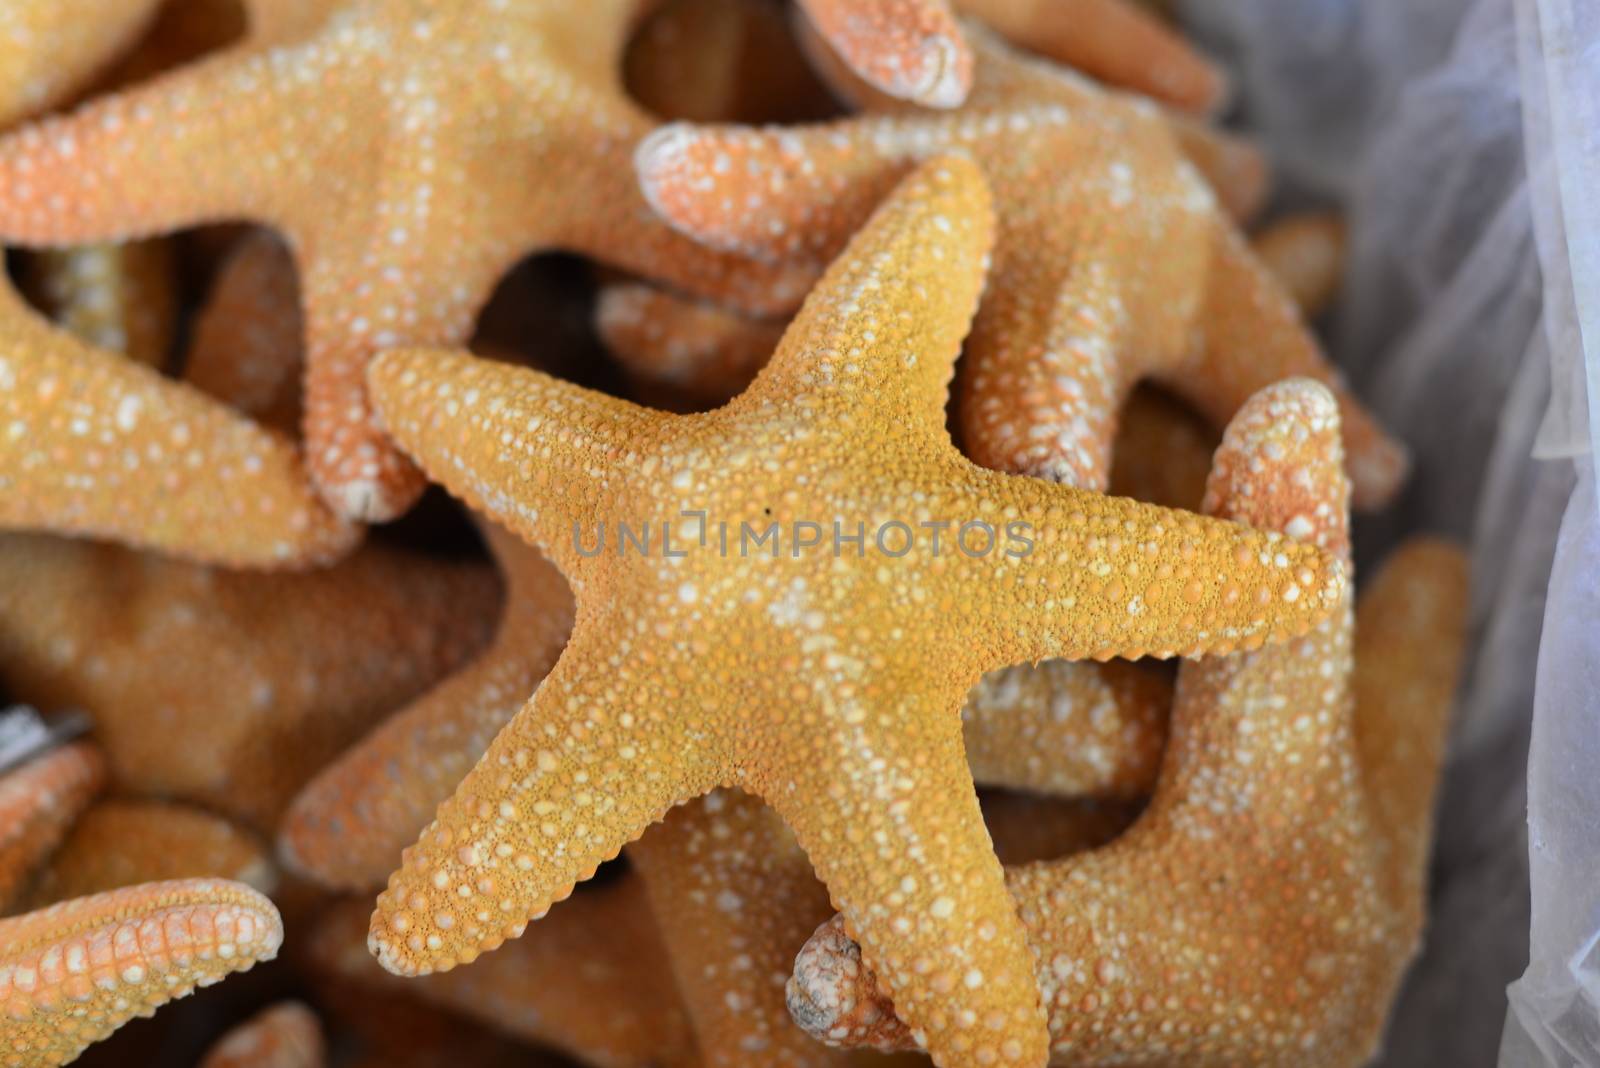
pixel 277 673
pixel 1306 253
pixel 121 843
pixel 846 423
pixel 349 825
pixel 593 982
pixel 1120 266
pixel 73 973
pixel 410 152
pixel 38 803
pixel 1263 908
pixel 287 1035
pixel 49 49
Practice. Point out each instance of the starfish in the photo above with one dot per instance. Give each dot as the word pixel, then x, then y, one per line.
pixel 594 982
pixel 119 843
pixel 229 689
pixel 94 444
pixel 864 760
pixel 49 49
pixel 38 803
pixel 1120 267
pixel 1263 908
pixel 73 973
pixel 349 825
pixel 286 1035
pixel 1305 252
pixel 121 297
pixel 410 153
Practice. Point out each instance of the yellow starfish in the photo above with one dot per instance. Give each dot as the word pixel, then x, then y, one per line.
pixel 1113 261
pixel 119 843
pixel 410 152
pixel 38 803
pixel 826 684
pixel 49 49
pixel 1263 908
pixel 73 973
pixel 286 1035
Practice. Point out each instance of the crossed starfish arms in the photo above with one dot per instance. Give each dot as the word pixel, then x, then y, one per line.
pixel 1277 876
pixel 73 973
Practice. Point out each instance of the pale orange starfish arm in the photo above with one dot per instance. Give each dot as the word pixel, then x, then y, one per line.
pixel 1115 41
pixel 223 688
pixel 735 899
pixel 97 445
pixel 38 803
pixel 287 1035
pixel 248 338
pixel 121 843
pixel 347 828
pixel 910 49
pixel 49 49
pixel 709 353
pixel 121 297
pixel 75 972
pixel 591 979
pixel 1306 253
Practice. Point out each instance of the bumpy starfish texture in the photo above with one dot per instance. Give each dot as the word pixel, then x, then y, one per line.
pixel 349 825
pixel 846 425
pixel 38 802
pixel 121 843
pixel 229 688
pixel 1263 908
pixel 592 981
pixel 49 49
pixel 92 443
pixel 410 153
pixel 1113 262
pixel 118 297
pixel 287 1035
pixel 735 899
pixel 75 972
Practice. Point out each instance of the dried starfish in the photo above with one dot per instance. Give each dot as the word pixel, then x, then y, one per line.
pixel 118 297
pixel 73 973
pixel 49 49
pixel 1264 907
pixel 1119 267
pixel 279 673
pixel 93 443
pixel 593 982
pixel 349 825
pixel 38 803
pixel 121 843
pixel 287 1035
pixel 395 144
pixel 865 763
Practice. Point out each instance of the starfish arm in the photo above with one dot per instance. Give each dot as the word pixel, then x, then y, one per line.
pixel 106 171
pixel 348 827
pixel 51 49
pixel 1114 41
pixel 497 436
pixel 1027 828
pixel 1235 167
pixel 1306 253
pixel 928 903
pixel 1251 336
pixel 1410 634
pixel 73 973
pixel 88 431
pixel 119 843
pixel 879 334
pixel 1068 729
pixel 591 761
pixel 734 897
pixel 591 979
pixel 287 1035
pixel 38 803
pixel 121 297
pixel 247 347
pixel 912 49
pixel 704 351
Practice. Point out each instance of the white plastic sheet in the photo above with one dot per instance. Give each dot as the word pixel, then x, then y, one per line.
pixel 1463 138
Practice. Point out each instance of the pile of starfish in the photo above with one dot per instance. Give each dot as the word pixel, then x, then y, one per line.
pixel 389 391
